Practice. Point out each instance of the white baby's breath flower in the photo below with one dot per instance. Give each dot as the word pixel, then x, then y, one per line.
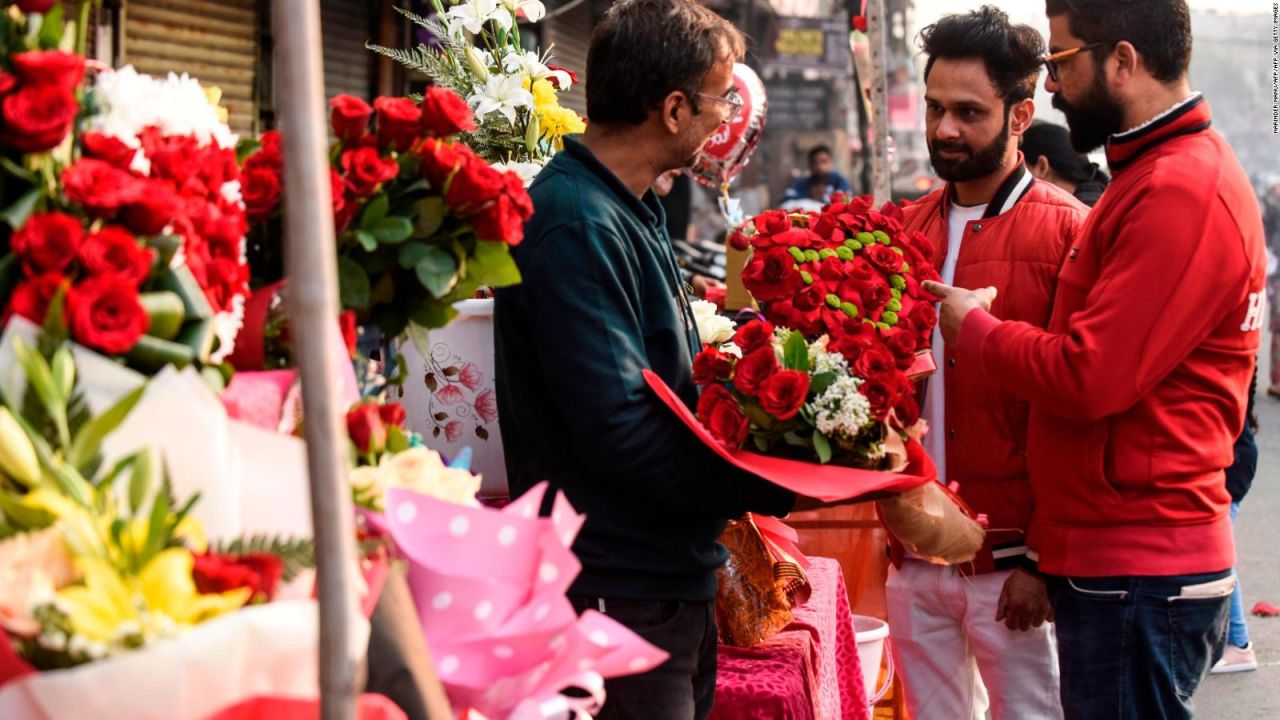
pixel 501 94
pixel 713 329
pixel 841 411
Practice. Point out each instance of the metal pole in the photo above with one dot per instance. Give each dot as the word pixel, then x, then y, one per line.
pixel 876 34
pixel 311 265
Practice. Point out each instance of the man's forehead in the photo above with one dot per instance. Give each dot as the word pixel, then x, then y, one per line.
pixel 1060 37
pixel 954 81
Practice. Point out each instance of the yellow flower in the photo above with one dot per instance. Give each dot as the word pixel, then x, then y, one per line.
pixel 544 95
pixel 108 602
pixel 559 121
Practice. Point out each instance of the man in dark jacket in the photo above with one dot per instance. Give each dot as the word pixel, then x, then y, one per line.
pixel 601 301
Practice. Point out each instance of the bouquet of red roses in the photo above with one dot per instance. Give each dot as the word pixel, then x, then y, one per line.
pixel 422 221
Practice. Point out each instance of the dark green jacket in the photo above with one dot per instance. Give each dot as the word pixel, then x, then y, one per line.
pixel 602 300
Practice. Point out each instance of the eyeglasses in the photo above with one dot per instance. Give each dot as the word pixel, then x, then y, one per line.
pixel 731 98
pixel 1051 61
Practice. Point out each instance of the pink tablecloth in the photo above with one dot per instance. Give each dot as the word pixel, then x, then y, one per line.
pixel 810 670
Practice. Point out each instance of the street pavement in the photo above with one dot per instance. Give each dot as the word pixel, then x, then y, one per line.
pixel 1245 696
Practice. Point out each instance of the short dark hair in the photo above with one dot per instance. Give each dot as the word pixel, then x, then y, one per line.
pixel 816 151
pixel 1044 139
pixel 1011 53
pixel 1160 30
pixel 644 50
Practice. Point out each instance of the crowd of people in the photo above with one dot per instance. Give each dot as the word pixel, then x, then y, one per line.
pixel 1093 383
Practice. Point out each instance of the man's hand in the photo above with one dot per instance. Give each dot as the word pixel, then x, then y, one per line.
pixel 702 283
pixel 1024 601
pixel 956 304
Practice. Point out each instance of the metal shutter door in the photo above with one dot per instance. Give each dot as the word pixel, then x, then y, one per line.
pixel 345 26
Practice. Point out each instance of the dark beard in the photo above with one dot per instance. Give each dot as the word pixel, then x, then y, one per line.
pixel 1093 118
pixel 979 164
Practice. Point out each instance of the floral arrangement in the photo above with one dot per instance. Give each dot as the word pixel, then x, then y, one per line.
pixel 422 221
pixel 478 53
pixel 130 222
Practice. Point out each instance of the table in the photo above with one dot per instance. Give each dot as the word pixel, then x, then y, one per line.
pixel 809 670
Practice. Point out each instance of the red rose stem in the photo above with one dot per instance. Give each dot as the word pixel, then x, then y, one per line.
pixel 312 306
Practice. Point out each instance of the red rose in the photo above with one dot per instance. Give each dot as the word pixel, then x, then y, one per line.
pixel 874 362
pixel 810 298
pixel 907 411
pixel 55 68
pixel 31 299
pixel 753 369
pixel 486 406
pixel 349 116
pixel 739 240
pixel 347 325
pixel 712 366
pixel 833 270
pixel 440 159
pixel 173 157
pixel 902 343
pixel 113 252
pixel 398 121
pixel 269 153
pixel 474 185
pixel 7 83
pixel 36 6
pixel 225 280
pixel 100 187
pixel 719 412
pixel 753 336
pixel 366 429
pixel 771 274
pixel 260 572
pixel 343 210
pixel 445 113
pixel 884 259
pixel 261 191
pixel 772 222
pixel 154 208
pixel 921 318
pixel 503 220
pixel 783 394
pixel 37 117
pixel 365 170
pixel 392 413
pixel 802 238
pixel 111 149
pixel 47 242
pixel 881 395
pixel 853 345
pixel 104 313
pixel 223 227
pixel 876 295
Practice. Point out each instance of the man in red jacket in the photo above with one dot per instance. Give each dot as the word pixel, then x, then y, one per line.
pixel 1138 386
pixel 972 637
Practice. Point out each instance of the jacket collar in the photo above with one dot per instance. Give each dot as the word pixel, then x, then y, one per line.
pixel 1013 189
pixel 1189 116
pixel 648 208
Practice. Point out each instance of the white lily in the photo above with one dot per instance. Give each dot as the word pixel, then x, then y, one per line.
pixel 526 170
pixel 504 94
pixel 533 9
pixel 473 14
pixel 532 65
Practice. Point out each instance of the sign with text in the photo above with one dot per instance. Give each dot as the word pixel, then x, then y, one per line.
pixel 796 104
pixel 809 43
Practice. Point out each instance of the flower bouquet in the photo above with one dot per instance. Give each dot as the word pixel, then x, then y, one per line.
pixel 476 50
pixel 422 221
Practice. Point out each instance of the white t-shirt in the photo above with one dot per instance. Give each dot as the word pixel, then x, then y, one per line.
pixel 935 402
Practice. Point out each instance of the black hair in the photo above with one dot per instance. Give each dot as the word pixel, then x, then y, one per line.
pixel 644 50
pixel 1160 30
pixel 816 151
pixel 1011 53
pixel 1044 139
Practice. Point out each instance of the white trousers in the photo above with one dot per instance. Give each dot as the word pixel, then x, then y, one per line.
pixel 955 659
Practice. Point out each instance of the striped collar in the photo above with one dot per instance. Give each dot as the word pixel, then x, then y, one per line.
pixel 1188 116
pixel 1007 195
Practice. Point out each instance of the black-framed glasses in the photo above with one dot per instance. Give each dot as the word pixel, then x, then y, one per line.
pixel 1051 60
pixel 731 98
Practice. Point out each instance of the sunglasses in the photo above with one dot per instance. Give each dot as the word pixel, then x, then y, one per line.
pixel 731 98
pixel 1051 61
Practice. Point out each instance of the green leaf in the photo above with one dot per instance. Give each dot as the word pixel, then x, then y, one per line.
pixel 411 253
pixel 397 440
pixel 157 536
pixel 52 28
pixel 433 314
pixel 414 187
pixel 18 171
pixel 762 444
pixel 353 284
pixel 151 354
pixel 493 264
pixel 146 470
pixel 375 211
pixel 391 230
pixel 166 246
pixel 437 271
pixel 166 312
pixel 15 216
pixel 367 240
pixel 89 440
pixel 819 383
pixel 795 353
pixel 23 516
pixel 430 216
pixel 40 377
pixel 418 334
pixel 182 282
pixel 63 368
pixel 823 446
pixel 757 415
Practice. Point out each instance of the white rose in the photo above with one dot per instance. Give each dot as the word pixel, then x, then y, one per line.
pixel 713 328
pixel 423 471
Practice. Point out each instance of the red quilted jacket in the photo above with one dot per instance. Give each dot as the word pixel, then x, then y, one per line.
pixel 1018 248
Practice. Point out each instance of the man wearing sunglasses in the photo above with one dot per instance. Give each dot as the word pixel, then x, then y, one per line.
pixel 975 637
pixel 1138 386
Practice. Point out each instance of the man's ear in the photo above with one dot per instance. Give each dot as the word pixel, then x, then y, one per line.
pixel 675 109
pixel 1040 168
pixel 1126 59
pixel 1020 117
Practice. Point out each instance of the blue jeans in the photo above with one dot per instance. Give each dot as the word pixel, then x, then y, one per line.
pixel 1134 648
pixel 1237 632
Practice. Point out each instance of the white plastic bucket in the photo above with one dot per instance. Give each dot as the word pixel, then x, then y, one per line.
pixel 871 635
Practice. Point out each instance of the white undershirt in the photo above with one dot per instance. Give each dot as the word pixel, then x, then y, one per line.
pixel 935 404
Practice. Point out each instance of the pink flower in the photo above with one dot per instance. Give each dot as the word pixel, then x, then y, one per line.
pixel 450 395
pixel 471 376
pixel 453 430
pixel 486 406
